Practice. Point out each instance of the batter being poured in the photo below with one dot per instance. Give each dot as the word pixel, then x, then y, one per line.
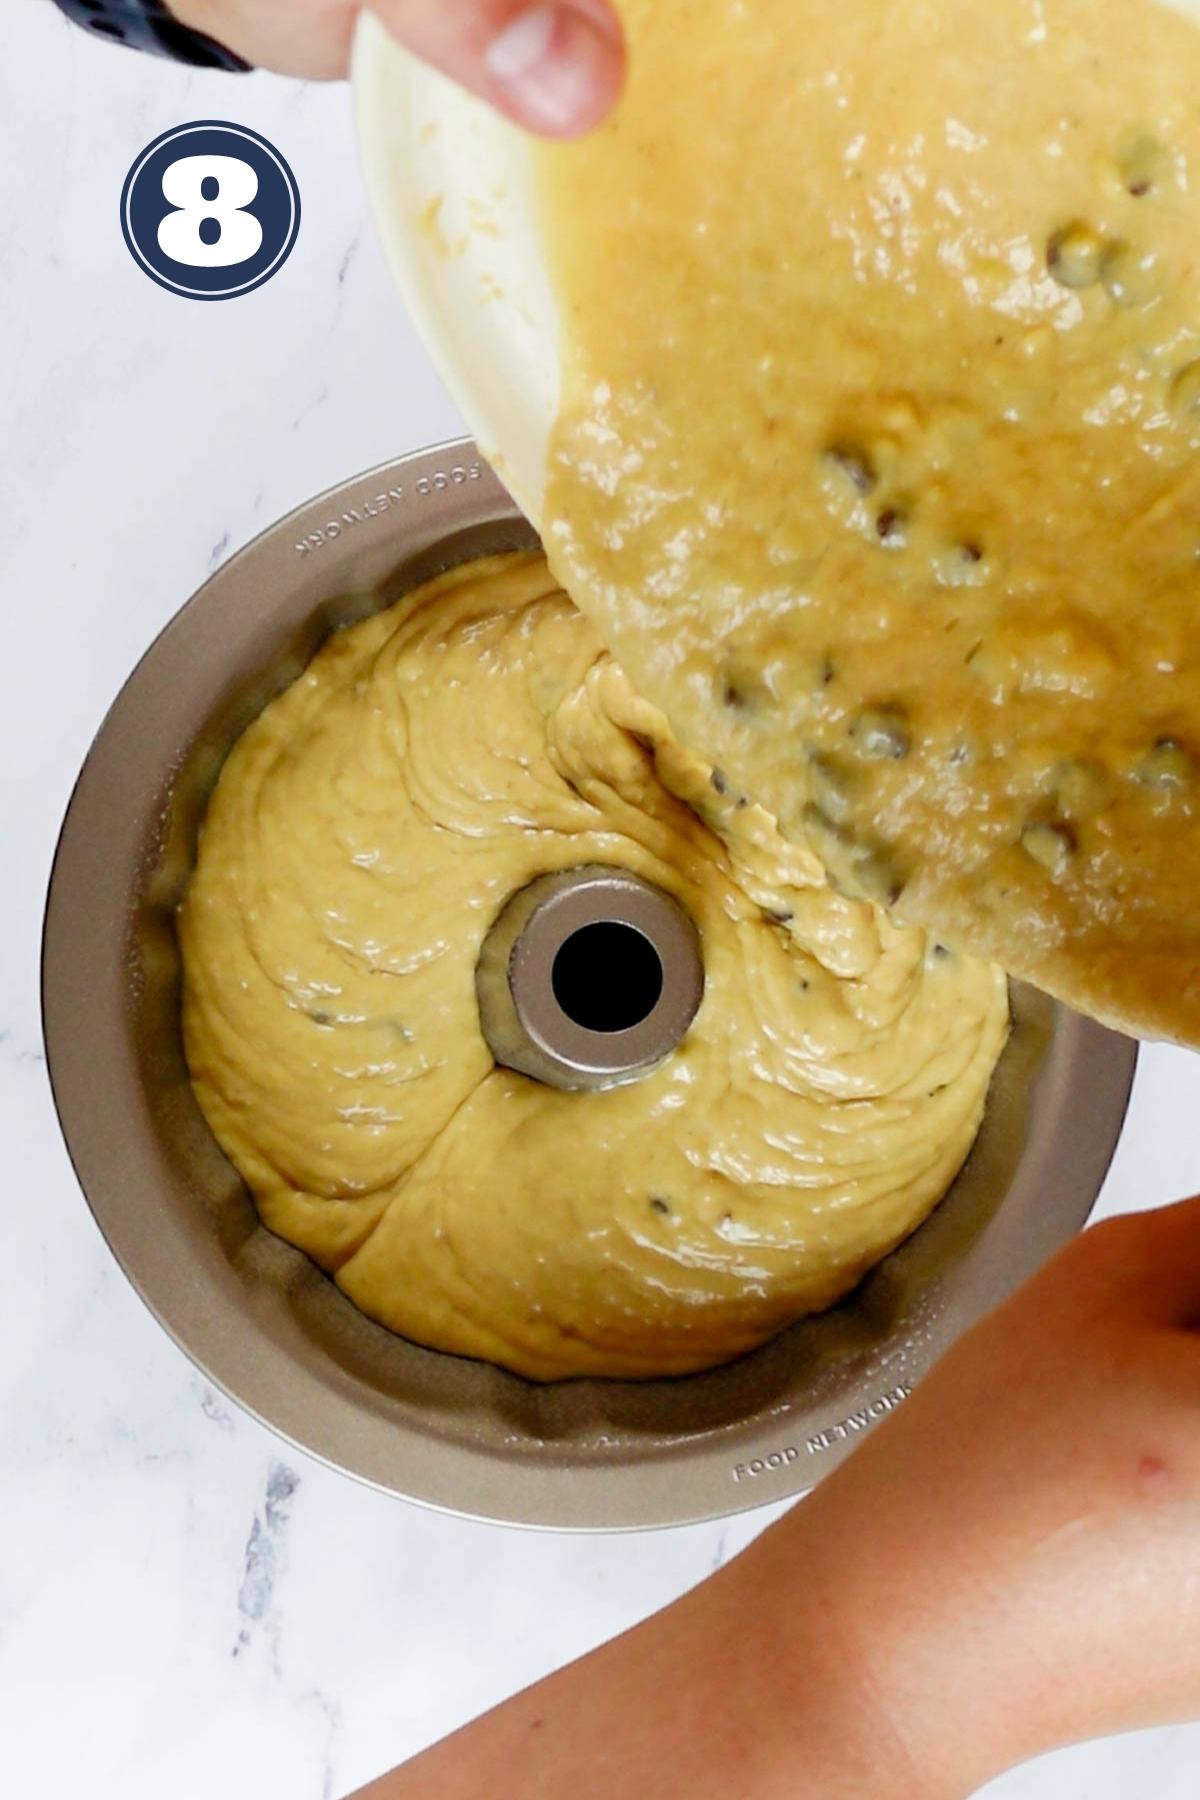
pixel 878 461
pixel 365 833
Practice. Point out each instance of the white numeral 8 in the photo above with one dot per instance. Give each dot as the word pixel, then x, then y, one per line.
pixel 210 230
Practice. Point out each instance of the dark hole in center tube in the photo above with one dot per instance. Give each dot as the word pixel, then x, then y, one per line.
pixel 607 976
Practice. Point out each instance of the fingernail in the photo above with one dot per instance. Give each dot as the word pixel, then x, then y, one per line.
pixel 556 68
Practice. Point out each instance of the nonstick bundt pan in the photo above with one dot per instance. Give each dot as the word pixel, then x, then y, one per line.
pixel 258 1318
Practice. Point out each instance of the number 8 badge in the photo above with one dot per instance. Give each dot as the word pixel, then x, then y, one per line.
pixel 210 210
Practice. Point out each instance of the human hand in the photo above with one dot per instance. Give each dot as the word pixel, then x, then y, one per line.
pixel 1018 1549
pixel 554 66
pixel 1010 1563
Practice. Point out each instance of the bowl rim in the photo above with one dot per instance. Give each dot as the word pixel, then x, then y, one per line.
pixel 1076 1115
pixel 450 186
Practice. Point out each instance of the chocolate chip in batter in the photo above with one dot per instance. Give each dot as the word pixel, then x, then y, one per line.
pixel 1074 255
pixel 1080 787
pixel 743 692
pixel 824 832
pixel 1184 391
pixel 1167 765
pixel 881 732
pixel 831 784
pixel 1052 844
pixel 1144 165
pixel 1130 276
pixel 875 876
pixel 961 565
pixel 890 526
pixel 860 871
pixel 854 463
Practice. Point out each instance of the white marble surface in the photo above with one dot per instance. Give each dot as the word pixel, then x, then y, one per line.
pixel 188 1608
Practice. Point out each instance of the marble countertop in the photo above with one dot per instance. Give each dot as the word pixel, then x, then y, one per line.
pixel 189 1607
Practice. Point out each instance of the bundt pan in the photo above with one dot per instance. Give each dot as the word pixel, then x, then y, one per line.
pixel 258 1318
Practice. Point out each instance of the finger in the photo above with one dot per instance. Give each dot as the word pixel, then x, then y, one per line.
pixel 555 66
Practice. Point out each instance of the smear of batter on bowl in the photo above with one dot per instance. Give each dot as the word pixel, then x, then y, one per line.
pixel 365 833
pixel 877 461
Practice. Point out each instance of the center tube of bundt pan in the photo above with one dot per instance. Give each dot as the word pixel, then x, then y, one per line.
pixel 588 978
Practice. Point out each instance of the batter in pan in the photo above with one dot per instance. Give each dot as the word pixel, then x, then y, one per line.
pixel 365 833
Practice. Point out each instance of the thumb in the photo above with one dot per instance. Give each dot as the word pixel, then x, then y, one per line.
pixel 554 66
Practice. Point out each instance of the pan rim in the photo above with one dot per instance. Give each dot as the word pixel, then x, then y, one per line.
pixel 696 1481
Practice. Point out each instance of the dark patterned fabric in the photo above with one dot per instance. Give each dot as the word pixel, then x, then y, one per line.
pixel 147 25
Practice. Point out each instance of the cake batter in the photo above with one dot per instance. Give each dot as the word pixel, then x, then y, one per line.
pixel 877 459
pixel 364 834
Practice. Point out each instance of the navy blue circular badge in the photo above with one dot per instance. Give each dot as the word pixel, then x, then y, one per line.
pixel 210 210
